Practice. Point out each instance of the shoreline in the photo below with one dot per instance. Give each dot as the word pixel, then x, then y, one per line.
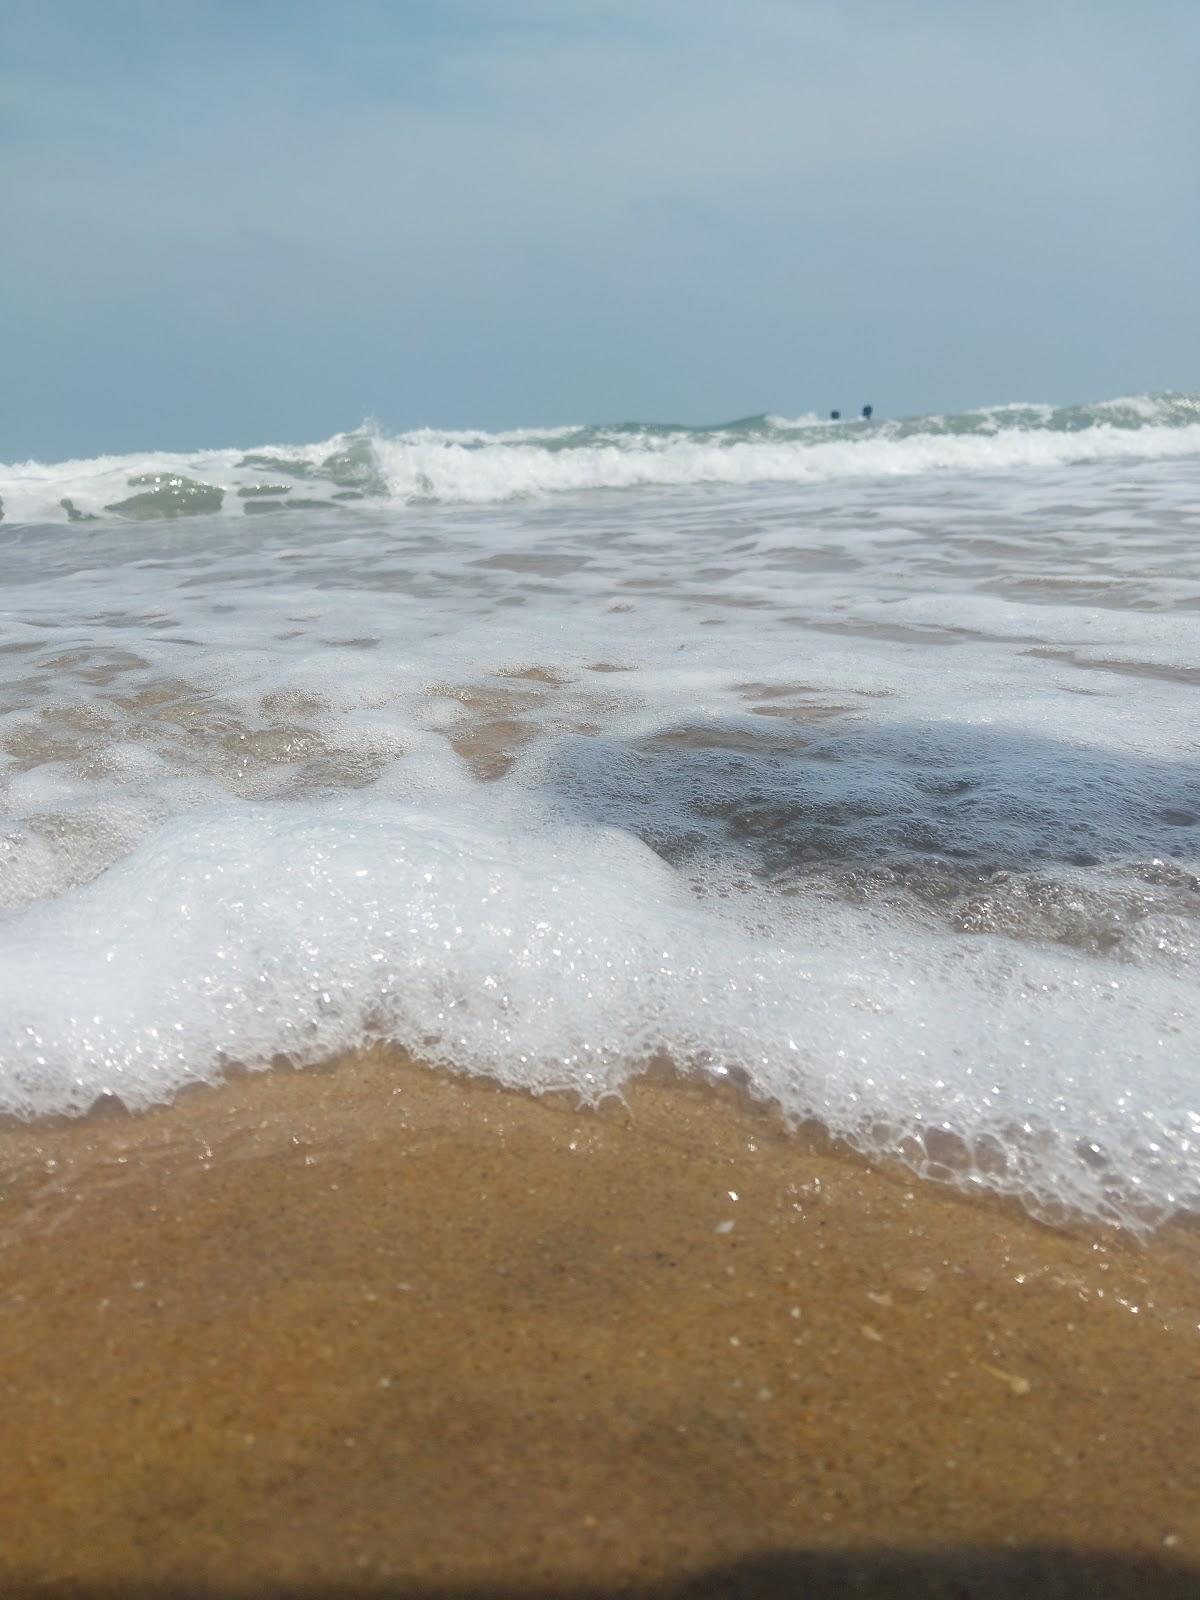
pixel 380 1329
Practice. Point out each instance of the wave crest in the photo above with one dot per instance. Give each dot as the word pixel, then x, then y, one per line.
pixel 470 466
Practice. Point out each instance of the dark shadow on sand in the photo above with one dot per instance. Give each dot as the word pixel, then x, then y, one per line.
pixel 1036 1573
pixel 851 793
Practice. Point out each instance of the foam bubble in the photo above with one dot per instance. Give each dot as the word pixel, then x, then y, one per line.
pixel 883 799
pixel 563 957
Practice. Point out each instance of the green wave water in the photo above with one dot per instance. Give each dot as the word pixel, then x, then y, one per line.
pixel 369 465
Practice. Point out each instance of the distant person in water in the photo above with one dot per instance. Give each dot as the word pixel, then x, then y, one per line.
pixel 835 416
pixel 866 414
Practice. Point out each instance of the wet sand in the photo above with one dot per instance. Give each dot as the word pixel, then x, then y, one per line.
pixel 377 1330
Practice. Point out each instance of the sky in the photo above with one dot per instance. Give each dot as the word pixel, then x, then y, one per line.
pixel 229 222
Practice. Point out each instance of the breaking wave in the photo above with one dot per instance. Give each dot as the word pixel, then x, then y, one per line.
pixel 468 466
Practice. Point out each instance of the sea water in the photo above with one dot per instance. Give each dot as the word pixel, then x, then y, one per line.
pixel 856 763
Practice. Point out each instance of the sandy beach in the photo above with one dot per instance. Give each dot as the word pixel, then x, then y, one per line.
pixel 381 1330
pixel 599 801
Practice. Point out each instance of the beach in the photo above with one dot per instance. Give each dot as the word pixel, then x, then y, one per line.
pixel 604 1011
pixel 599 801
pixel 381 1329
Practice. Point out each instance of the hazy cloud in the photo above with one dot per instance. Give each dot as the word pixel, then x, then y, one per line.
pixel 235 221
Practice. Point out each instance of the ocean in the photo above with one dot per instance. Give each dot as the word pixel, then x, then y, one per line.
pixel 857 764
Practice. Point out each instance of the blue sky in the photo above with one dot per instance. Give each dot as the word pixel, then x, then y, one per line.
pixel 230 222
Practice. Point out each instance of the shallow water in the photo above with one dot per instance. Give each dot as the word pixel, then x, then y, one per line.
pixel 877 789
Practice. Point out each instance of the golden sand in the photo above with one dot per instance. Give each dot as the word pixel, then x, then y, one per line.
pixel 383 1331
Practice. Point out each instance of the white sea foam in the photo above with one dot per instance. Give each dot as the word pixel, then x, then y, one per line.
pixel 554 957
pixel 445 472
pixel 882 797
